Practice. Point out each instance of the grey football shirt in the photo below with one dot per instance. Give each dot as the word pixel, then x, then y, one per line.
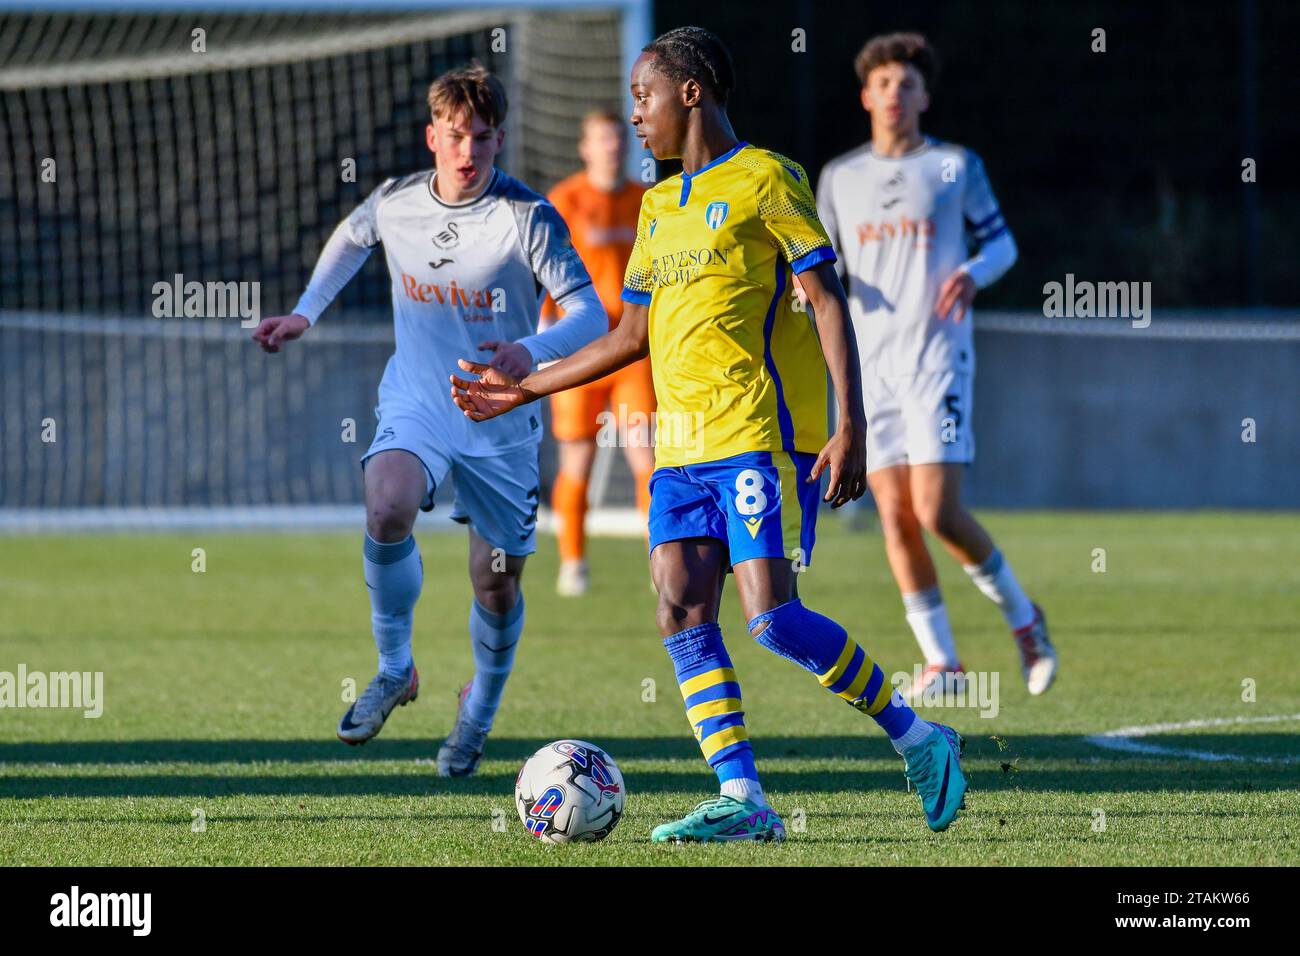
pixel 900 227
pixel 461 274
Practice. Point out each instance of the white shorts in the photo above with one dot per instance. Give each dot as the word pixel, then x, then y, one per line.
pixel 919 419
pixel 496 495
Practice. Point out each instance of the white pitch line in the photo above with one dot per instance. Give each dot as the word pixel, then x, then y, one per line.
pixel 1122 739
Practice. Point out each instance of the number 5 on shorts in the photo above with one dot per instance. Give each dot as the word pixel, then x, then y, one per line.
pixel 953 421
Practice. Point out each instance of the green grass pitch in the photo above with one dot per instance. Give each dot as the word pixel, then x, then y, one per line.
pixel 222 690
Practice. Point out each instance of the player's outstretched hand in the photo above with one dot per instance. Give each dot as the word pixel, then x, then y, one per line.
pixel 273 332
pixel 846 454
pixel 509 357
pixel 493 393
pixel 955 296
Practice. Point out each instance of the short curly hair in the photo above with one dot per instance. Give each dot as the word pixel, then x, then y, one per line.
pixel 693 53
pixel 907 48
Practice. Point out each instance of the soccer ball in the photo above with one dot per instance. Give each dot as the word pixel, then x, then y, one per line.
pixel 570 790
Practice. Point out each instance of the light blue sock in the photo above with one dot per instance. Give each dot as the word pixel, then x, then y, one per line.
pixel 494 638
pixel 394 574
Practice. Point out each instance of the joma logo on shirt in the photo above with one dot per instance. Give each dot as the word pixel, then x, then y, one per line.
pixel 453 294
pixel 904 228
pixel 677 268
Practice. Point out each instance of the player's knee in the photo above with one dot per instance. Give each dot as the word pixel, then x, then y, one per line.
pixel 388 520
pixel 938 518
pixel 669 616
pixel 899 522
pixel 676 615
pixel 495 579
pixel 800 634
pixel 496 592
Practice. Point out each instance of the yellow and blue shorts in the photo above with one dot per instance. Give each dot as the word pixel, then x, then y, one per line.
pixel 759 504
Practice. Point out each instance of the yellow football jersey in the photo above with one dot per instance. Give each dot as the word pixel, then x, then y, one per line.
pixel 737 367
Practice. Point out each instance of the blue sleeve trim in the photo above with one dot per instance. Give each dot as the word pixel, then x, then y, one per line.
pixel 815 258
pixel 975 226
pixel 632 295
pixel 993 235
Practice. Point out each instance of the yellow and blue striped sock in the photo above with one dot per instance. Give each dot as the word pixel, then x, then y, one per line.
pixel 712 697
pixel 818 644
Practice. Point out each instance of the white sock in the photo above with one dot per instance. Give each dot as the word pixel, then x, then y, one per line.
pixel 995 579
pixel 394 575
pixel 494 638
pixel 744 788
pixel 919 730
pixel 928 617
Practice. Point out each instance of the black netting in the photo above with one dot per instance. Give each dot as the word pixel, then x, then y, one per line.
pixel 219 175
pixel 227 169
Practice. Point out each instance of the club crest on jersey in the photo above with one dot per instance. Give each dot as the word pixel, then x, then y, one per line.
pixel 447 236
pixel 715 214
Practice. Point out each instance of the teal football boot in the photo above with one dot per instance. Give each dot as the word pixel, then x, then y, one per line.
pixel 934 768
pixel 723 818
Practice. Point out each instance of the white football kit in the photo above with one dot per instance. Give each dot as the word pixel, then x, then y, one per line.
pixel 462 274
pixel 899 227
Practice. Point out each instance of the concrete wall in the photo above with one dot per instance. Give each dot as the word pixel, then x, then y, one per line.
pixel 1065 421
pixel 1129 419
pixel 1126 419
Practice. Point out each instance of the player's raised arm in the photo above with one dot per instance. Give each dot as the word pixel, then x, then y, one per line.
pixel 846 452
pixel 344 254
pixel 495 392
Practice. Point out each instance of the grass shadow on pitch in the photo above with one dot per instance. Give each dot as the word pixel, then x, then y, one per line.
pixel 1029 763
pixel 1027 747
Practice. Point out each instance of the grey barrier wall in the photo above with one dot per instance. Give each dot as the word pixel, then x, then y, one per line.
pixel 141 413
pixel 1130 418
pixel 1135 421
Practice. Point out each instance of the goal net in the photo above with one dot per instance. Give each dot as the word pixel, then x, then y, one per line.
pixel 222 148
